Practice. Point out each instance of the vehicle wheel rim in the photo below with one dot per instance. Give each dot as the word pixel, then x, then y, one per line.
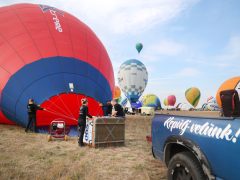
pixel 181 172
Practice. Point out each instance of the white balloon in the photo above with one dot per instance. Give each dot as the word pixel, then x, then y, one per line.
pixel 132 79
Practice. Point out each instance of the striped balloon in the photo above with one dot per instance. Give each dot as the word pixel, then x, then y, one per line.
pixel 165 102
pixel 193 95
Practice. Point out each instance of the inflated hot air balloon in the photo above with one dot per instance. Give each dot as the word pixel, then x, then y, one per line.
pixel 139 47
pixel 193 96
pixel 233 83
pixel 165 102
pixel 151 100
pixel 117 92
pixel 132 79
pixel 54 58
pixel 171 100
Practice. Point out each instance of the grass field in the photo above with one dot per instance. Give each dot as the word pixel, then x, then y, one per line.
pixel 30 156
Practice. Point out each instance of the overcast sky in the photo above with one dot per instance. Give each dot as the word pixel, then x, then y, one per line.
pixel 186 42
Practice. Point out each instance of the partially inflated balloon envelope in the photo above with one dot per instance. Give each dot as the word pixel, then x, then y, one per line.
pixel 139 47
pixel 151 100
pixel 123 101
pixel 171 100
pixel 193 96
pixel 117 92
pixel 132 79
pixel 54 58
pixel 233 83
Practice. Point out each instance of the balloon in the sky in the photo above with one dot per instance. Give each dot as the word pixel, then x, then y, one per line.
pixel 132 79
pixel 165 102
pixel 117 92
pixel 151 100
pixel 193 96
pixel 233 83
pixel 51 56
pixel 139 47
pixel 171 100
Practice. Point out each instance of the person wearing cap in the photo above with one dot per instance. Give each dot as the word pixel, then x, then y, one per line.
pixel 117 110
pixel 83 114
pixel 32 111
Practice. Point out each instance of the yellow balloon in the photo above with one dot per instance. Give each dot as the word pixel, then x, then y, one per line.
pixel 165 102
pixel 193 96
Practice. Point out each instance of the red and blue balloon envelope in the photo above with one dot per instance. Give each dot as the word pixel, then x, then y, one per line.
pixel 54 58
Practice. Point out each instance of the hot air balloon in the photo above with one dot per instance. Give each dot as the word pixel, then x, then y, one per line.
pixel 171 100
pixel 54 58
pixel 139 47
pixel 117 92
pixel 165 102
pixel 193 96
pixel 136 105
pixel 233 83
pixel 132 79
pixel 123 101
pixel 151 100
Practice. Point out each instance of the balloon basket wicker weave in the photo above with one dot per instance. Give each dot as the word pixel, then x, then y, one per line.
pixel 106 132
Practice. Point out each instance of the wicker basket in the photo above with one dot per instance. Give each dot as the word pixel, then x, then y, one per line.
pixel 107 131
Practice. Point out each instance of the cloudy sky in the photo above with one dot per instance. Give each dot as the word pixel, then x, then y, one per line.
pixel 186 42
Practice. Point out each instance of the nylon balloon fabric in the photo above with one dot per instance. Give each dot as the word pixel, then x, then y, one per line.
pixel 132 79
pixel 44 50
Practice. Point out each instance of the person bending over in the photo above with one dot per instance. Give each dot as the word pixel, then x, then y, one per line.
pixel 117 110
pixel 82 120
pixel 32 111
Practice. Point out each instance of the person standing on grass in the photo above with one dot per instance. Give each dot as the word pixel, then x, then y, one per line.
pixel 117 110
pixel 32 111
pixel 82 120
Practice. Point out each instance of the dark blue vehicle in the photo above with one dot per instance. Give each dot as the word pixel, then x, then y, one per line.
pixel 197 147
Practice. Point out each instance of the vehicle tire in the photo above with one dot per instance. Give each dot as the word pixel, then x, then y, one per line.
pixel 184 166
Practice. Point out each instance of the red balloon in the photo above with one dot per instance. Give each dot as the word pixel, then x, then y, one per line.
pixel 171 100
pixel 37 40
pixel 58 108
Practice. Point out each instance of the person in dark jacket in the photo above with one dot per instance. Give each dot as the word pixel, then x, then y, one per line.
pixel 107 108
pixel 32 110
pixel 117 110
pixel 82 120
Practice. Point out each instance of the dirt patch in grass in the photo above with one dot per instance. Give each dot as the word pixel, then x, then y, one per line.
pixel 30 156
